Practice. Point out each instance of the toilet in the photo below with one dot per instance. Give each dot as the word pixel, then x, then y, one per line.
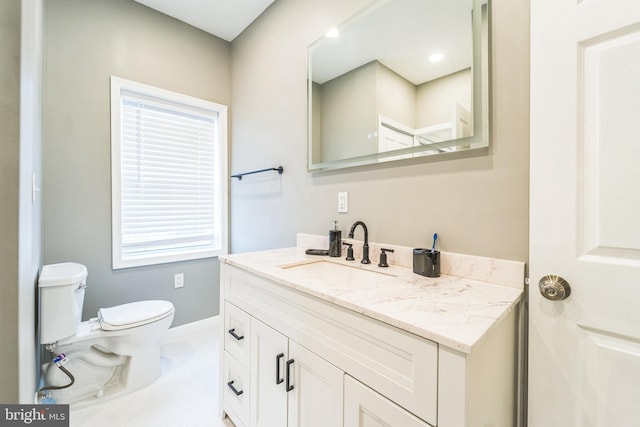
pixel 110 355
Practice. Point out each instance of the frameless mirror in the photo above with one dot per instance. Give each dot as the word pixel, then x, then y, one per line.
pixel 400 79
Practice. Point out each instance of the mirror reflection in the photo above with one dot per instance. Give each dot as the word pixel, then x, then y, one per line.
pixel 402 78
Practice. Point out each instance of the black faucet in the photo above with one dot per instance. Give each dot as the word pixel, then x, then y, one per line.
pixel 365 247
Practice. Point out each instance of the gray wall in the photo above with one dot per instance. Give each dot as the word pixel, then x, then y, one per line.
pixel 477 205
pixel 30 226
pixel 86 42
pixel 20 217
pixel 9 164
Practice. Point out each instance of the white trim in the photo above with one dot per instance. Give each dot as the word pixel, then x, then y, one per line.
pixel 118 85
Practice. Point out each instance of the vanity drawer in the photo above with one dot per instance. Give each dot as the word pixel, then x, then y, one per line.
pixel 236 393
pixel 399 365
pixel 237 328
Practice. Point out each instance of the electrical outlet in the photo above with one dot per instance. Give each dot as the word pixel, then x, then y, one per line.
pixel 343 202
pixel 178 280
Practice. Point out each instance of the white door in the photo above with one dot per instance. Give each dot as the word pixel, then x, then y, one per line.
pixel 584 366
pixel 268 359
pixel 316 397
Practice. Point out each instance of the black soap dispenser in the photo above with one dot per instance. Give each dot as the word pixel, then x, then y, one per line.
pixel 335 241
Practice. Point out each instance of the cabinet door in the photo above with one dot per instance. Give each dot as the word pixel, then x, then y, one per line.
pixel 364 407
pixel 317 394
pixel 269 354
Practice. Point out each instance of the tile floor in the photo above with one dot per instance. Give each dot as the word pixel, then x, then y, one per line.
pixel 186 395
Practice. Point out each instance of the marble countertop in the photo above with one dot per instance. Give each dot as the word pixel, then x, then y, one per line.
pixel 454 311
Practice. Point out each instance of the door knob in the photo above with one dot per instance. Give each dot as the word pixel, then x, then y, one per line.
pixel 554 288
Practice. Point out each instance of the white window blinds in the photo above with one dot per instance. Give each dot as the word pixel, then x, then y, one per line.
pixel 170 180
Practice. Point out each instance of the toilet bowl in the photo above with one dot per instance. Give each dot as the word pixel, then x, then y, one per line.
pixel 113 354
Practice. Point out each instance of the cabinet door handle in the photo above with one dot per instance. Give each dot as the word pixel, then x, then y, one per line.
pixel 233 389
pixel 278 358
pixel 289 386
pixel 236 336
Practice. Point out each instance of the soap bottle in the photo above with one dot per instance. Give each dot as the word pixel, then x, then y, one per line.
pixel 335 241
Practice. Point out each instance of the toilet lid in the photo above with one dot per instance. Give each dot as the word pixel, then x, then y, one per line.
pixel 133 314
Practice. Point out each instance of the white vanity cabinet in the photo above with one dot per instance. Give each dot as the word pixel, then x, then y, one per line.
pixel 291 386
pixel 347 369
pixel 271 381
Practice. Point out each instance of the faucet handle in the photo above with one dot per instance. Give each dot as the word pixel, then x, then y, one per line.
pixel 349 251
pixel 383 257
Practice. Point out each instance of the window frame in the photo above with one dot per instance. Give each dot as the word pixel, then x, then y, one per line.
pixel 118 85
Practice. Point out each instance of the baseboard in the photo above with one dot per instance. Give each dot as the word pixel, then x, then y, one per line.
pixel 189 328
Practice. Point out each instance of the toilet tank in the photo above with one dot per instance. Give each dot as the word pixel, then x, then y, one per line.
pixel 61 299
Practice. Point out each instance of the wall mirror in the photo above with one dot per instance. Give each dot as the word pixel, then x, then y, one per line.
pixel 400 79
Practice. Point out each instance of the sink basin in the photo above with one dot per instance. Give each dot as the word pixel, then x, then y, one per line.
pixel 333 275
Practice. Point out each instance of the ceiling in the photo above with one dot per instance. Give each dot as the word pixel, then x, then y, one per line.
pixel 222 18
pixel 400 34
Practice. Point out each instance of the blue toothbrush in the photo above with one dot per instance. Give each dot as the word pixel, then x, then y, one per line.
pixel 435 237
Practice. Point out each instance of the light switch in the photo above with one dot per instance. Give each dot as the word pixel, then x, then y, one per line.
pixel 343 202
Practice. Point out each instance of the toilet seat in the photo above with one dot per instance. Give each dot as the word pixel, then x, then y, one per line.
pixel 133 314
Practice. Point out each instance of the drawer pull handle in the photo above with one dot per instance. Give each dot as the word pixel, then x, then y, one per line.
pixel 289 386
pixel 278 358
pixel 236 336
pixel 233 389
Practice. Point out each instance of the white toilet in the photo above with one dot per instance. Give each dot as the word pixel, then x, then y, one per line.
pixel 113 354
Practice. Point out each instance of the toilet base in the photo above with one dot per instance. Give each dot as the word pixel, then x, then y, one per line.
pixel 106 365
pixel 98 383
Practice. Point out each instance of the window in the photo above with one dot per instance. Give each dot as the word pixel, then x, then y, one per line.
pixel 168 175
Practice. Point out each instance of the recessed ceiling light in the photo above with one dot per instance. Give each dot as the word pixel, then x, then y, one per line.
pixel 436 57
pixel 333 33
